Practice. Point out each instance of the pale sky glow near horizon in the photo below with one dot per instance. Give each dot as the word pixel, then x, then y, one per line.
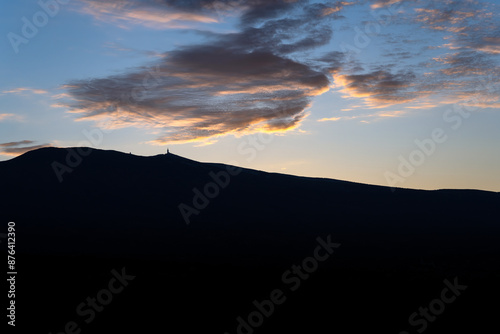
pixel 402 93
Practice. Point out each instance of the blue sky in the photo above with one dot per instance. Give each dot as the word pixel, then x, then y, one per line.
pixel 400 93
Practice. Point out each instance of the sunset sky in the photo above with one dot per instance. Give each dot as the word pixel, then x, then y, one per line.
pixel 404 93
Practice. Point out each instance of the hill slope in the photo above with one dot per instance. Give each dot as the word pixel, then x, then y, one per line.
pixel 79 215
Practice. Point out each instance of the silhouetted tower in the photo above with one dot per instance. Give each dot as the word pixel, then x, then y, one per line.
pixel 168 151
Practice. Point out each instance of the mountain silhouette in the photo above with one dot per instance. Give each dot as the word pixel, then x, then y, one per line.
pixel 204 240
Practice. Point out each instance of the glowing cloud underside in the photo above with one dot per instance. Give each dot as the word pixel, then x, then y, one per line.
pixel 235 84
pixel 263 77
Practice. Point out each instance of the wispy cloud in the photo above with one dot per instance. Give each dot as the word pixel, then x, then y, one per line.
pixel 366 118
pixel 466 71
pixel 23 90
pixel 156 14
pixel 16 143
pixel 379 88
pixel 384 3
pixel 19 147
pixel 13 117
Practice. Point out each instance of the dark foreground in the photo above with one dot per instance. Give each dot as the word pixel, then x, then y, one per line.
pixel 108 251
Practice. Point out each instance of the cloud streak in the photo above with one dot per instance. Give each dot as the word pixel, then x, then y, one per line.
pixel 19 147
pixel 149 13
pixel 5 117
pixel 22 90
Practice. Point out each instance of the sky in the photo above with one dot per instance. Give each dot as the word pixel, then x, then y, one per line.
pixel 400 93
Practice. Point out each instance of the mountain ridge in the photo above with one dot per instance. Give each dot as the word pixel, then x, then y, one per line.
pixel 243 232
pixel 59 154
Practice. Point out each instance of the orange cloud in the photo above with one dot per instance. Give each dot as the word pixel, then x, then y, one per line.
pixel 148 13
pixel 384 3
pixel 21 90
pixel 379 89
pixel 366 118
pixel 203 93
pixel 10 117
